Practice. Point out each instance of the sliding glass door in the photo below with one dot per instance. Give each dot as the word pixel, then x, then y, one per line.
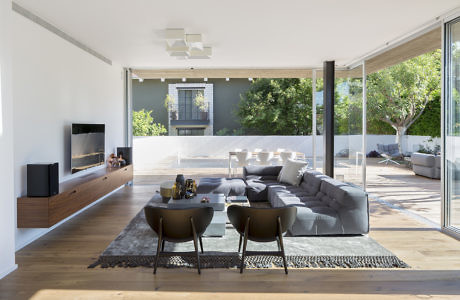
pixel 451 218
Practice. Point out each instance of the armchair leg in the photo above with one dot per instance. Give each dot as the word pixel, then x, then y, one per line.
pixel 195 243
pixel 159 246
pixel 201 244
pixel 246 229
pixel 239 244
pixel 280 238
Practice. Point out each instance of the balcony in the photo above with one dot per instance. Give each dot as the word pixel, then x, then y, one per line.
pixel 187 116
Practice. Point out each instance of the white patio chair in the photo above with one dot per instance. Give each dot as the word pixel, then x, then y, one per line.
pixel 287 155
pixel 264 158
pixel 243 159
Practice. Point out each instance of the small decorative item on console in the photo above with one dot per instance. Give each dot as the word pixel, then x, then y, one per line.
pixel 112 161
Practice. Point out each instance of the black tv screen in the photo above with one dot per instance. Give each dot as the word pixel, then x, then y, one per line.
pixel 87 146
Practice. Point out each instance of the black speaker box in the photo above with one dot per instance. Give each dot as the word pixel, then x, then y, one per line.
pixel 126 153
pixel 42 180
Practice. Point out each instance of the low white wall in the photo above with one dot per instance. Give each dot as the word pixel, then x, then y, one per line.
pixel 150 151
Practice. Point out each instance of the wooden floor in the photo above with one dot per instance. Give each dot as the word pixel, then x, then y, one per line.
pixel 55 266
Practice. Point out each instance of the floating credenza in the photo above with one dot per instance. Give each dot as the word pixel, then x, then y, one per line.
pixel 75 194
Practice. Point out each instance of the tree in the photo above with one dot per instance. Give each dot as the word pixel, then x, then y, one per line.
pixel 143 124
pixel 277 107
pixel 399 94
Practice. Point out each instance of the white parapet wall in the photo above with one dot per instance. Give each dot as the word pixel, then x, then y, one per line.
pixel 150 152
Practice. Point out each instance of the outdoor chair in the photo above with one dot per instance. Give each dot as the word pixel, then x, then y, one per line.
pixel 264 158
pixel 178 226
pixel 243 158
pixel 389 152
pixel 286 155
pixel 261 225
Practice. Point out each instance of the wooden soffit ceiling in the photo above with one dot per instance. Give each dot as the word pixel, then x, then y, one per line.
pixel 424 43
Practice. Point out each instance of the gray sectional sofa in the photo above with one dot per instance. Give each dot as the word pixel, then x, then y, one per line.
pixel 325 206
pixel 427 165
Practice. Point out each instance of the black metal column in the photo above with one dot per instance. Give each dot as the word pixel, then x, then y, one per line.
pixel 328 119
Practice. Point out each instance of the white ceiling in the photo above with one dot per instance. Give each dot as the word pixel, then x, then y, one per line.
pixel 243 33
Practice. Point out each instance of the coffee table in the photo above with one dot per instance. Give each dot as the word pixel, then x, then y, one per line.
pixel 216 201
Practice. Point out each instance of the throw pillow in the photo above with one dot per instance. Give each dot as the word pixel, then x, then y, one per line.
pixel 292 172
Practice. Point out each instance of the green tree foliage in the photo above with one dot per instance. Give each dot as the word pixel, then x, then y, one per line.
pixel 143 124
pixel 399 94
pixel 429 122
pixel 277 107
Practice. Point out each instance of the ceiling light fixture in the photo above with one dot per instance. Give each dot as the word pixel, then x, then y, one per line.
pixel 183 46
pixel 205 79
pixel 184 79
pixel 227 79
pixel 141 80
pixel 250 79
pixel 162 79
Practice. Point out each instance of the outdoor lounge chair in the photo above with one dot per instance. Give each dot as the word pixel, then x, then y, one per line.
pixel 389 152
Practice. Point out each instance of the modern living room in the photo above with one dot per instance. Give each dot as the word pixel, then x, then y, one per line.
pixel 78 219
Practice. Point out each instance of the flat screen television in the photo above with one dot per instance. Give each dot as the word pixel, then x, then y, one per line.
pixel 87 146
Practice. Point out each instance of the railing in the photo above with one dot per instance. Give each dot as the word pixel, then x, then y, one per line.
pixel 188 113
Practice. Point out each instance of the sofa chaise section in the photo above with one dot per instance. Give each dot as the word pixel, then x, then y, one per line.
pixel 324 206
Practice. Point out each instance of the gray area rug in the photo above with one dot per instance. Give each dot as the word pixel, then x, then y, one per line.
pixel 136 246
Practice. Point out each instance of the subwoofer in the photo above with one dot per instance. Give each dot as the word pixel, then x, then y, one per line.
pixel 42 180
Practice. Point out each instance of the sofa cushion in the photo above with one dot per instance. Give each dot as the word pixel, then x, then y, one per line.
pixel 226 186
pixel 311 181
pixel 423 159
pixel 261 171
pixel 292 172
pixel 319 220
pixel 257 189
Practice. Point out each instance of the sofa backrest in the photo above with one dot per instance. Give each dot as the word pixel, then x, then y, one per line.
pixel 311 182
pixel 423 159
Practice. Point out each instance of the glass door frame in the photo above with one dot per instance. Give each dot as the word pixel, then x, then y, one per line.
pixel 445 94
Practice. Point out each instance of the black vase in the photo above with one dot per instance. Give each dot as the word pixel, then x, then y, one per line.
pixel 180 183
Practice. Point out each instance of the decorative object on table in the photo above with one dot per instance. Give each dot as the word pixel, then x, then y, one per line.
pixel 112 161
pixel 237 199
pixel 190 188
pixel 180 184
pixel 166 190
pixel 176 191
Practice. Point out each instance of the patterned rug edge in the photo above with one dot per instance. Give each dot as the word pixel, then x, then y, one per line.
pixel 251 262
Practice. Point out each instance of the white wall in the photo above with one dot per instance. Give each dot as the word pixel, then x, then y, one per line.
pixel 56 84
pixel 7 219
pixel 150 151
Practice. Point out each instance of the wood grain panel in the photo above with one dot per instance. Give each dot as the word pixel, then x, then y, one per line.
pixel 75 195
